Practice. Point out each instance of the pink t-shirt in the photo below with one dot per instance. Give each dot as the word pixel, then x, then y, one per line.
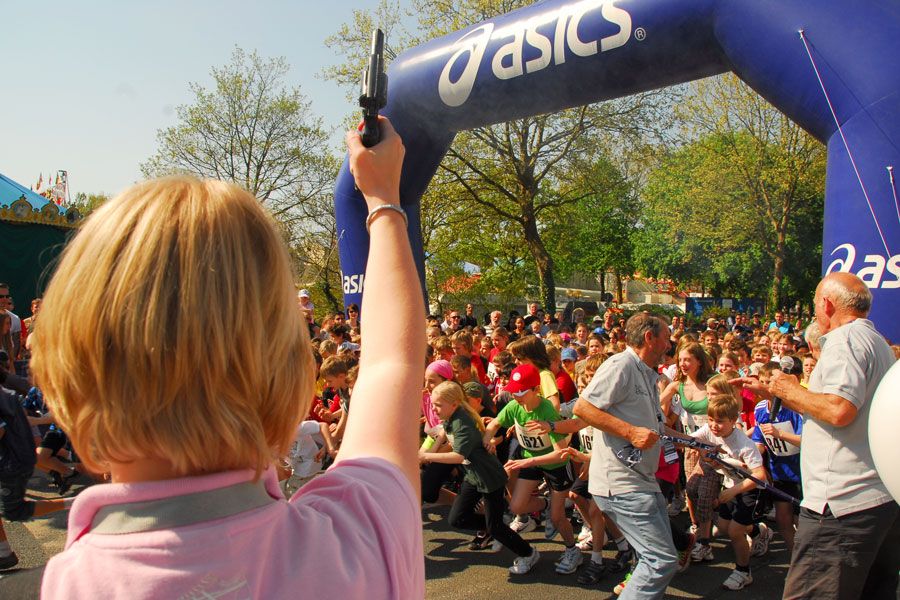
pixel 353 532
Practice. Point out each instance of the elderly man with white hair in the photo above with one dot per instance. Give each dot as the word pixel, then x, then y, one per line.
pixel 848 541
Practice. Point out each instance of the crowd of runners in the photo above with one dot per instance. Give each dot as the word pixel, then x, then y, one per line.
pixel 596 429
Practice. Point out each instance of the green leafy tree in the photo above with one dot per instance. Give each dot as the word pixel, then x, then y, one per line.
pixel 252 129
pixel 722 210
pixel 517 172
pixel 88 203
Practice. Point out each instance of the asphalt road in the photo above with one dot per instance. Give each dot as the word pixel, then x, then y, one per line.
pixel 453 572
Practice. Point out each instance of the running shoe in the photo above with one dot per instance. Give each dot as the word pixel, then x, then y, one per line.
pixel 570 561
pixel 684 556
pixel 585 533
pixel 676 506
pixel 523 564
pixel 523 525
pixel 623 560
pixel 738 580
pixel 586 544
pixel 593 573
pixel 701 553
pixel 620 587
pixel 481 541
pixel 550 529
pixel 760 544
pixel 8 561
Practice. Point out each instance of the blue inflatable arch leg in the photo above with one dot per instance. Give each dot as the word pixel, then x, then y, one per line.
pixel 825 64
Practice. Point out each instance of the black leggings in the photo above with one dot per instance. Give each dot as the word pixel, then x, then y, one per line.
pixel 433 477
pixel 463 516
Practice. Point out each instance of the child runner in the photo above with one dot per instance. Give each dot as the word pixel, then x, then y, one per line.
pixel 779 439
pixel 484 477
pixel 739 502
pixel 542 458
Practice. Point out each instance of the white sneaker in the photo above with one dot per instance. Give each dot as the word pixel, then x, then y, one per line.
pixel 495 547
pixel 760 544
pixel 586 544
pixel 521 526
pixel 738 580
pixel 585 533
pixel 570 561
pixel 523 564
pixel 701 553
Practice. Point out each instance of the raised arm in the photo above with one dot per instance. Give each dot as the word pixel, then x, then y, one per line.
pixel 384 418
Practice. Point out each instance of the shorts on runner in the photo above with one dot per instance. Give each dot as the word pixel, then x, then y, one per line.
pixel 559 479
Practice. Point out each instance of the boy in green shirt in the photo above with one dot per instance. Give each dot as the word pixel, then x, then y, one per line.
pixel 541 459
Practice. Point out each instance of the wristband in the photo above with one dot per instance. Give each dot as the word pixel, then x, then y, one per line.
pixel 374 212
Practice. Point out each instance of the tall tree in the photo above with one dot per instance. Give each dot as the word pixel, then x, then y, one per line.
pixel 728 209
pixel 517 171
pixel 776 167
pixel 252 129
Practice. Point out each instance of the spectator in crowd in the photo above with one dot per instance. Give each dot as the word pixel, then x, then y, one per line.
pixel 469 320
pixel 6 305
pixel 780 324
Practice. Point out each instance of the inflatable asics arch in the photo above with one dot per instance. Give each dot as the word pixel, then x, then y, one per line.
pixel 832 66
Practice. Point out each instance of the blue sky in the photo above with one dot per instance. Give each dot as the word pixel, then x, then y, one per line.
pixel 86 85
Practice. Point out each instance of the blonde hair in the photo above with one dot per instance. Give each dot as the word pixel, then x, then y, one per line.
pixel 451 391
pixel 165 357
pixel 723 398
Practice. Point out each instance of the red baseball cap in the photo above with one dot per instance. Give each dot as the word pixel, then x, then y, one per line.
pixel 522 379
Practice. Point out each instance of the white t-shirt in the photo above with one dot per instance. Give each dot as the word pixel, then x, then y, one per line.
pixel 305 448
pixel 736 446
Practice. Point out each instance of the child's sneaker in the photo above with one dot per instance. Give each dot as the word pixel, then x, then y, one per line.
pixel 570 561
pixel 760 544
pixel 523 525
pixel 586 544
pixel 585 533
pixel 623 560
pixel 523 564
pixel 738 580
pixel 481 541
pixel 684 556
pixel 593 573
pixel 701 553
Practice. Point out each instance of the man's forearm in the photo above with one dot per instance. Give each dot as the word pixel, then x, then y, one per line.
pixel 829 408
pixel 602 420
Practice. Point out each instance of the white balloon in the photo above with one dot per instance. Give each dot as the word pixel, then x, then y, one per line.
pixel 883 419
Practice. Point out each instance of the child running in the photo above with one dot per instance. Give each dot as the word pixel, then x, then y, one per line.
pixel 484 477
pixel 543 458
pixel 738 504
pixel 778 437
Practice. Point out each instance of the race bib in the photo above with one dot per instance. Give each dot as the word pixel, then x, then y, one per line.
pixel 781 447
pixel 586 437
pixel 693 422
pixel 670 453
pixel 532 441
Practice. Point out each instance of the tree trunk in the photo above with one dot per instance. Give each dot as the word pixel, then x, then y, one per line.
pixel 620 297
pixel 778 270
pixel 542 261
pixel 329 294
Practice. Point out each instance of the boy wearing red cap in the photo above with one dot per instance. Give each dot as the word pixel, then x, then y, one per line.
pixel 541 460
